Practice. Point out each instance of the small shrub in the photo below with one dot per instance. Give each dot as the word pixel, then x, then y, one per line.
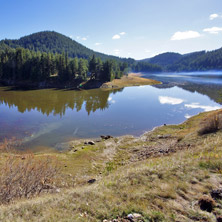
pixel 157 216
pixel 24 176
pixel 211 124
pixel 213 165
pixel 110 166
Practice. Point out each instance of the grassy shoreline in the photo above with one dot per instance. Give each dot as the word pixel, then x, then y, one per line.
pixel 161 175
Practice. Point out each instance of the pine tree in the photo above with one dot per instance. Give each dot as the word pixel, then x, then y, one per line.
pixel 92 67
pixel 83 69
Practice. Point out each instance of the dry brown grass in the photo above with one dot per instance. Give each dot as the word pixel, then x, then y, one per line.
pixel 24 175
pixel 212 123
pixel 162 188
pixel 130 80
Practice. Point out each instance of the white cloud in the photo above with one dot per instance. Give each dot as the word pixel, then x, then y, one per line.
pixel 84 38
pixel 78 37
pixel 122 33
pixel 213 30
pixel 198 106
pixel 116 37
pixel 116 51
pixel 147 51
pixel 185 35
pixel 213 16
pixel 110 99
pixel 98 43
pixel 187 116
pixel 170 100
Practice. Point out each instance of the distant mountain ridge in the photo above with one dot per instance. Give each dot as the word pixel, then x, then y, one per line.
pixel 195 61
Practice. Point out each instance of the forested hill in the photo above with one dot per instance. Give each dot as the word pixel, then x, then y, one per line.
pixel 196 61
pixel 165 59
pixel 199 61
pixel 53 42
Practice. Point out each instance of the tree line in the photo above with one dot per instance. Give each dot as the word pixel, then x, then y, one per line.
pixel 23 64
pixel 26 65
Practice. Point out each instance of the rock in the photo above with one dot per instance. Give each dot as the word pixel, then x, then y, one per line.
pixel 134 216
pixel 164 136
pixel 106 137
pixel 160 136
pixel 130 216
pixel 90 143
pixel 216 194
pixel 137 216
pixel 91 181
pixel 75 150
pixel 206 203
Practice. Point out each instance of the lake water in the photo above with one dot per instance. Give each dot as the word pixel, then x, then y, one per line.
pixel 45 118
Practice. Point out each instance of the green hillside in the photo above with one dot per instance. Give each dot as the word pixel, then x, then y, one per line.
pixel 164 59
pixel 50 41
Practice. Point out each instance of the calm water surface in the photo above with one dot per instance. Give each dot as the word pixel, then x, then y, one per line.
pixel 46 118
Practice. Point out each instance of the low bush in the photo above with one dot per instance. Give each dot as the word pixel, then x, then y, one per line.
pixel 24 176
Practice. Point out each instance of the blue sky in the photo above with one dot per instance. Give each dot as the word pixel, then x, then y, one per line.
pixel 127 28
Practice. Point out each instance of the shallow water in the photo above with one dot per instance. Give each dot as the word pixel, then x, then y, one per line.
pixel 45 118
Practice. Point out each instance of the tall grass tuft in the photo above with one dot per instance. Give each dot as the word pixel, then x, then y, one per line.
pixel 211 124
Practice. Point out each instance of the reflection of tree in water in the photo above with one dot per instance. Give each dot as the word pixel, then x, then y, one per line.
pixel 56 101
pixel 213 91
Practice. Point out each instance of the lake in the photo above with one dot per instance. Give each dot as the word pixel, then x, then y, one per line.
pixel 43 119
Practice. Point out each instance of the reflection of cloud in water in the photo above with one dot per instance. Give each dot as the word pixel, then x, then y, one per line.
pixel 110 99
pixel 187 116
pixel 170 100
pixel 198 106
